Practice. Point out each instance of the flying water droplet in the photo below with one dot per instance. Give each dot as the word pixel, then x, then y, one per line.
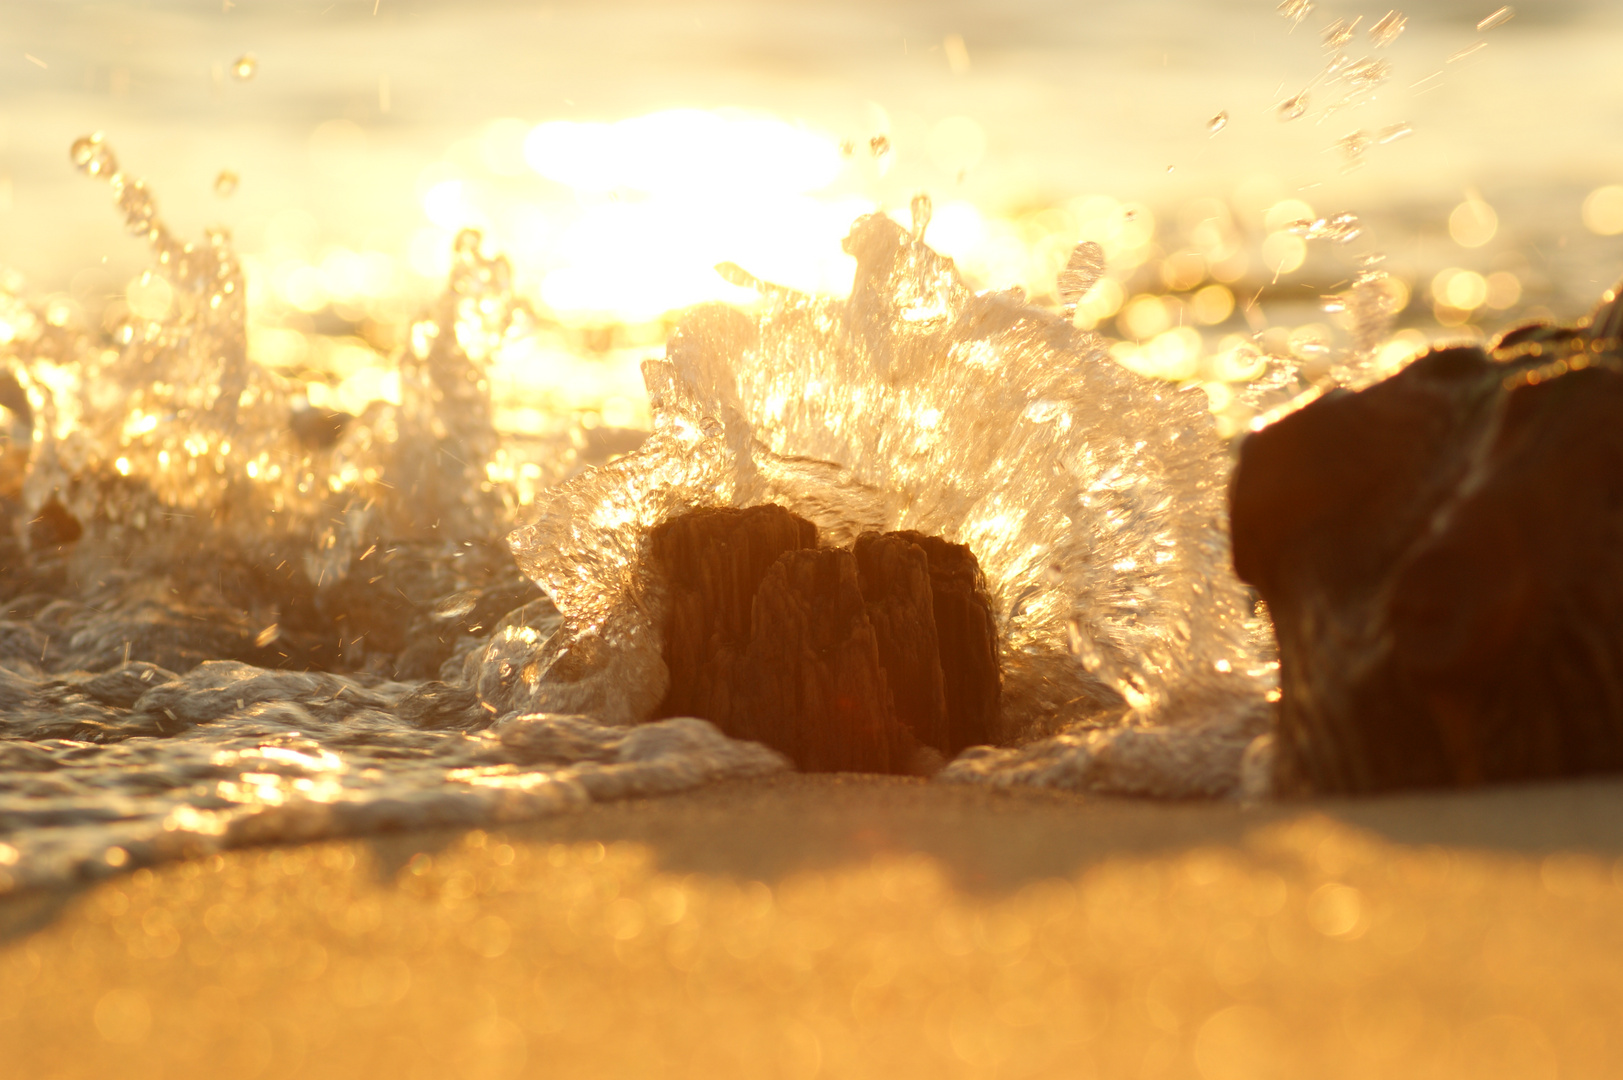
pixel 137 203
pixel 1394 133
pixel 1293 108
pixel 1082 272
pixel 1343 228
pixel 1368 74
pixel 1338 33
pixel 467 243
pixel 1295 10
pixel 244 67
pixel 1217 123
pixel 1387 28
pixel 1497 18
pixel 1353 145
pixel 733 274
pixel 225 185
pixel 455 606
pixel 1468 50
pixel 1333 305
pixel 921 209
pixel 879 147
pixel 92 156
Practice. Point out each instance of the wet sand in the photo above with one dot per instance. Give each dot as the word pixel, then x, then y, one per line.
pixel 858 926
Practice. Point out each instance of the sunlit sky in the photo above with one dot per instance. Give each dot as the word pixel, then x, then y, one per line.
pixel 616 152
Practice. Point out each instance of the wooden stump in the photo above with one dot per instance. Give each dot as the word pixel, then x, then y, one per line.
pixel 844 660
pixel 1442 556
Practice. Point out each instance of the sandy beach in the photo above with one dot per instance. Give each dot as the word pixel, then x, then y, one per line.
pixel 858 926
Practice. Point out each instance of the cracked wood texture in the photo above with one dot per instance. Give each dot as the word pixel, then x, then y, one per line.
pixel 863 660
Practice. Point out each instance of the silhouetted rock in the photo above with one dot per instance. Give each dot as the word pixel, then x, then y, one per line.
pixel 966 634
pixel 715 560
pixel 1442 556
pixel 844 660
pixel 894 581
pixel 811 683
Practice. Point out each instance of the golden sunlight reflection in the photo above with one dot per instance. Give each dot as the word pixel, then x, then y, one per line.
pixel 613 226
pixel 1303 946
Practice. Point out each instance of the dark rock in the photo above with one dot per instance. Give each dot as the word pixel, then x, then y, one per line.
pixel 812 682
pixel 878 659
pixel 894 578
pixel 715 560
pixel 966 635
pixel 1442 556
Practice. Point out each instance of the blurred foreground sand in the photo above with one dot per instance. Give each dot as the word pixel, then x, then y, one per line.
pixel 858 926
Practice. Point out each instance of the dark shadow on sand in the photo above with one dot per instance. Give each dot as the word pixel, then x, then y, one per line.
pixel 988 842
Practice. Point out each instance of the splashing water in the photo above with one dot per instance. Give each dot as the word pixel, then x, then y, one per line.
pixel 188 510
pixel 1294 107
pixel 1092 497
pixel 1387 29
pixel 1296 10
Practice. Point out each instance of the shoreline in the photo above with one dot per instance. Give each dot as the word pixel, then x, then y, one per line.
pixel 854 925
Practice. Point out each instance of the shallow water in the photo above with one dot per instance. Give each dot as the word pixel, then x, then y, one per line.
pixel 301 447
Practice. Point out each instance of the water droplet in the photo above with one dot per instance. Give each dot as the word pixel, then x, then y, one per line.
pixel 245 67
pixel 1333 305
pixel 1082 272
pixel 1374 258
pixel 1295 10
pixel 1344 228
pixel 733 274
pixel 1340 32
pixel 1353 145
pixel 1498 18
pixel 455 606
pixel 1387 28
pixel 466 245
pixel 92 156
pixel 138 205
pixel 711 427
pixel 1218 122
pixel 879 147
pixel 1306 228
pixel 1468 50
pixel 1394 133
pixel 1368 74
pixel 921 209
pixel 225 185
pixel 1293 108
